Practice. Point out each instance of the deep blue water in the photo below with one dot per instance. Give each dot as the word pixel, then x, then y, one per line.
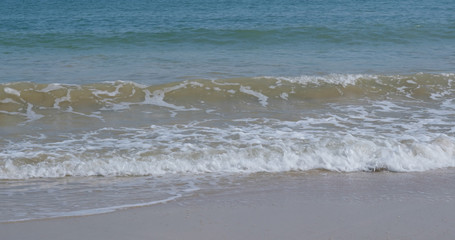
pixel 164 41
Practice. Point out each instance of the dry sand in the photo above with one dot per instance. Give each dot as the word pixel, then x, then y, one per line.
pixel 372 206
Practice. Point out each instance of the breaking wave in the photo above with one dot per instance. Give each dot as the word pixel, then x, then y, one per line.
pixel 338 123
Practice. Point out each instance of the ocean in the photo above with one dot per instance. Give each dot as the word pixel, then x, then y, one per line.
pixel 107 105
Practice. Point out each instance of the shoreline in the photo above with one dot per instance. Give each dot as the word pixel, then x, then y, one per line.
pixel 318 206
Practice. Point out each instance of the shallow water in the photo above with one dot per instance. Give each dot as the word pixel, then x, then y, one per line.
pixel 76 196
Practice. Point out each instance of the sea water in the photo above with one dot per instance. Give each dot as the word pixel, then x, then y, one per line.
pixel 107 105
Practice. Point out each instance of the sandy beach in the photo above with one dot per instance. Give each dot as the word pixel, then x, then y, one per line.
pixel 321 206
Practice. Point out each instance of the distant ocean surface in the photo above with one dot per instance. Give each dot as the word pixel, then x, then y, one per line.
pixel 104 100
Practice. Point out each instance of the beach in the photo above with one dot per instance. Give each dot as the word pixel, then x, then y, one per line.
pixel 243 119
pixel 358 206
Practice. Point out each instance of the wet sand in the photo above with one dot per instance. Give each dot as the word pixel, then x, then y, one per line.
pixel 337 206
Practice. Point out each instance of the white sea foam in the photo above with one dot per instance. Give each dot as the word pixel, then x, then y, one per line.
pixel 12 91
pixel 114 93
pixel 157 98
pixel 92 115
pixel 13 113
pixel 289 146
pixel 197 84
pixel 261 97
pixel 66 98
pixel 32 115
pixel 52 87
pixel 342 79
pixel 8 100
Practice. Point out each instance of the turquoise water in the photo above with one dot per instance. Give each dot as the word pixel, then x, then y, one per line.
pixel 154 42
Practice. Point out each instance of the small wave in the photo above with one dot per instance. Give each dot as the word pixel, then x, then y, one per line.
pixel 335 122
pixel 189 149
pixel 31 99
